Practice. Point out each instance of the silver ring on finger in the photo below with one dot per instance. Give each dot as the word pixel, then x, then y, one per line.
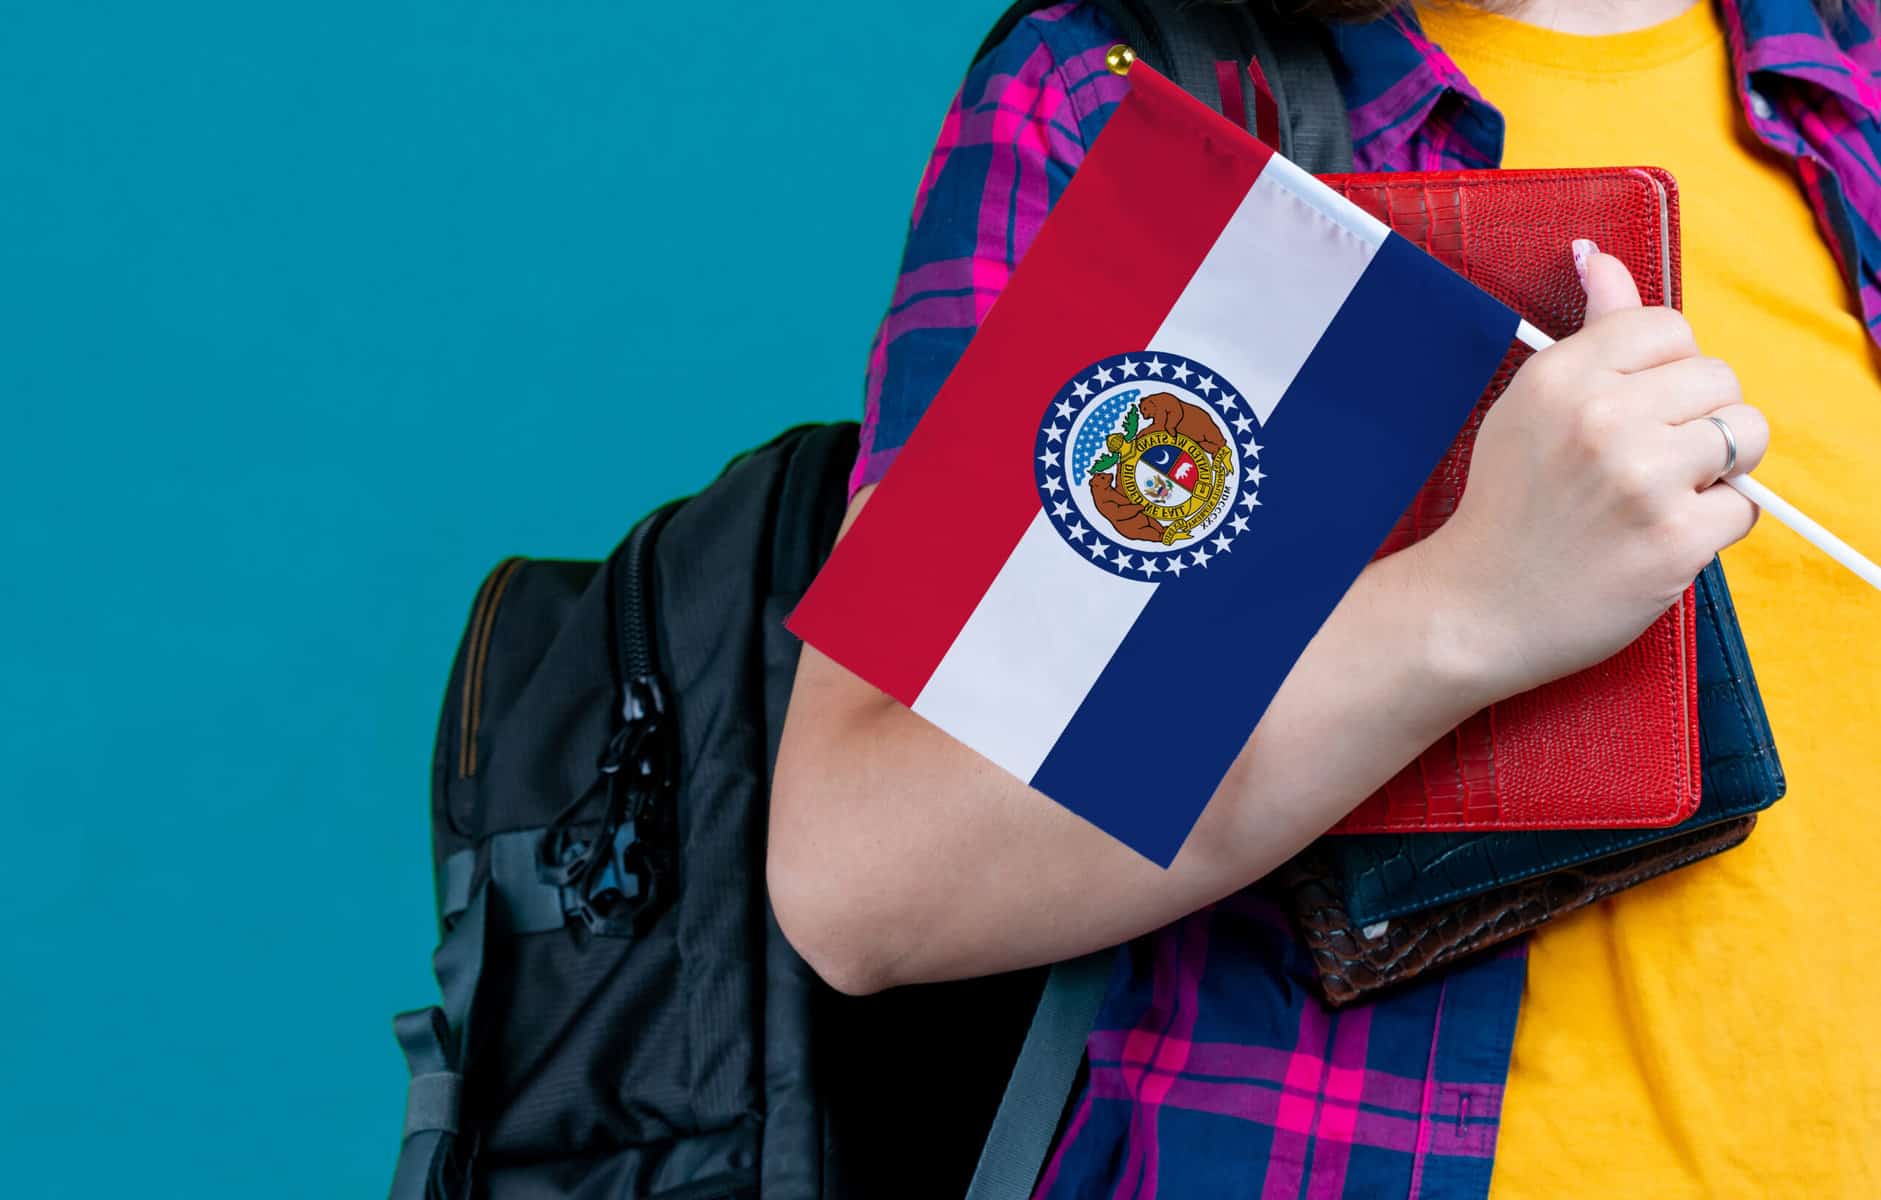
pixel 1730 446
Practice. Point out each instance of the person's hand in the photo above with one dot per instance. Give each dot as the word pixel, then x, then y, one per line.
pixel 1593 497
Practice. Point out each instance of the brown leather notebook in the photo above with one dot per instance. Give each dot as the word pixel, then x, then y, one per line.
pixel 1352 962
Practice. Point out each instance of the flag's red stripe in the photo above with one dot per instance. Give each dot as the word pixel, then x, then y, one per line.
pixel 1128 233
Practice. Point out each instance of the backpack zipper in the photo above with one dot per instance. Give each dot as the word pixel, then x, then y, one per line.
pixel 633 603
pixel 482 626
pixel 635 770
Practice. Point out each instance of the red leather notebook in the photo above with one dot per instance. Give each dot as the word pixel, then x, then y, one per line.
pixel 1615 746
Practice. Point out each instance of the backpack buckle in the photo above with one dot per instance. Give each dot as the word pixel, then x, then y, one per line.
pixel 623 889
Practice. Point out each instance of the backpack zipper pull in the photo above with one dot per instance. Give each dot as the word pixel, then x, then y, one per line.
pixel 636 768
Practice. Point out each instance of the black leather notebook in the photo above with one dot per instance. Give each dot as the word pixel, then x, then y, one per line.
pixel 1383 877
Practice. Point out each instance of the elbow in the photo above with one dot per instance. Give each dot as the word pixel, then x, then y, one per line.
pixel 851 887
pixel 825 923
pixel 825 894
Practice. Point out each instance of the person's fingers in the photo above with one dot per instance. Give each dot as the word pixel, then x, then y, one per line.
pixel 1684 389
pixel 1609 285
pixel 1631 340
pixel 1702 451
pixel 1752 430
pixel 1721 516
pixel 1619 334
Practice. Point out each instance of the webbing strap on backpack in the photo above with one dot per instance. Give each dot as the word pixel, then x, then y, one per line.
pixel 436 1041
pixel 1185 40
pixel 1314 130
pixel 1041 1079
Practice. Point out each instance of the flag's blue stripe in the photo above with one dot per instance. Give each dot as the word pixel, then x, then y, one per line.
pixel 1364 423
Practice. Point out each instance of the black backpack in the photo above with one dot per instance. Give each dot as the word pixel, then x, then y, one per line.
pixel 621 1018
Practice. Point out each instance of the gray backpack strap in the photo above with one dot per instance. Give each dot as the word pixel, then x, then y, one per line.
pixel 1315 131
pixel 1185 39
pixel 1042 1078
pixel 437 1042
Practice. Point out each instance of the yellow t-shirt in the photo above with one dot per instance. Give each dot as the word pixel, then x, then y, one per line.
pixel 1718 1033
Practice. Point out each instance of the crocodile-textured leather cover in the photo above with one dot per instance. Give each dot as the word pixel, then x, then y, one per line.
pixel 1614 746
pixel 1352 961
pixel 1387 876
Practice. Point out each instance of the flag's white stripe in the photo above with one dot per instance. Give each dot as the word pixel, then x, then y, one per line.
pixel 1270 285
pixel 1021 665
pixel 1301 183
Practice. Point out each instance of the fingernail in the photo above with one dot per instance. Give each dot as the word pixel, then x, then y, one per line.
pixel 1583 250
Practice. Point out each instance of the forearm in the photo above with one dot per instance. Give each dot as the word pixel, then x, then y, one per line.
pixel 899 856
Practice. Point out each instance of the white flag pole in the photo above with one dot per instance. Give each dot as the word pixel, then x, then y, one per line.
pixel 1807 529
pixel 1764 498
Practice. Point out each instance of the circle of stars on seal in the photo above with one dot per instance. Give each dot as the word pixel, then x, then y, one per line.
pixel 1056 460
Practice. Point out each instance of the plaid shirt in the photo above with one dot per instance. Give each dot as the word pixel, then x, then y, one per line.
pixel 1213 1071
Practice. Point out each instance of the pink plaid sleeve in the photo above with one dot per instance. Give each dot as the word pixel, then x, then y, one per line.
pixel 1016 132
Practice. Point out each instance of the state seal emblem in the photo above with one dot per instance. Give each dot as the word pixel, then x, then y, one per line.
pixel 1149 465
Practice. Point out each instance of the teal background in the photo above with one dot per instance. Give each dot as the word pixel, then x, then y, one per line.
pixel 308 314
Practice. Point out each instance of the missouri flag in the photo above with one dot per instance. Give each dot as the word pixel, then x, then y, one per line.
pixel 1206 394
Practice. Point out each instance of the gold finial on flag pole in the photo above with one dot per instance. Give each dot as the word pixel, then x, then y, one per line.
pixel 1120 59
